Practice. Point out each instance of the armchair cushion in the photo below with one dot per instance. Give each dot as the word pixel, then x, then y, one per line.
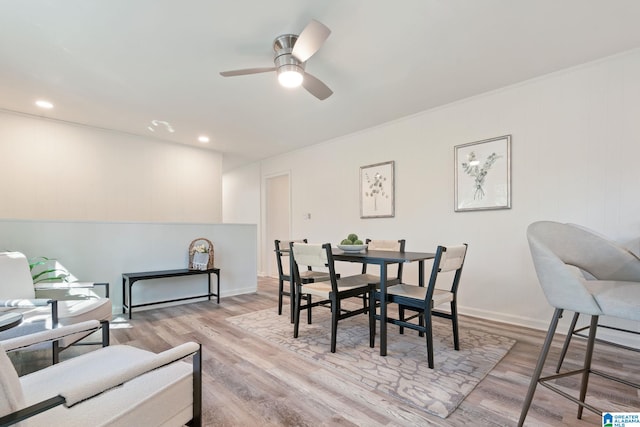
pixel 115 386
pixel 15 280
pixel 11 397
pixel 159 397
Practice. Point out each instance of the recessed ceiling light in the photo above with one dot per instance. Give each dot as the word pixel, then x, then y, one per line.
pixel 44 104
pixel 203 139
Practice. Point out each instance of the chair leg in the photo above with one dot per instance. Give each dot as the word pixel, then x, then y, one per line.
pixel 292 296
pixel 105 333
pixel 587 362
pixel 567 340
pixel 196 421
pixel 55 352
pixel 309 301
pixel 280 290
pixel 372 320
pixel 454 321
pixel 540 364
pixel 429 333
pixel 335 313
pixel 296 320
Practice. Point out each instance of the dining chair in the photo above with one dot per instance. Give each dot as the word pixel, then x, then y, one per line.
pixel 284 275
pixel 385 245
pixel 558 251
pixel 118 385
pixel 18 294
pixel 616 263
pixel 331 292
pixel 424 300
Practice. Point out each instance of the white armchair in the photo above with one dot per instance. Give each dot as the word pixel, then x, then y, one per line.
pixel 17 293
pixel 114 386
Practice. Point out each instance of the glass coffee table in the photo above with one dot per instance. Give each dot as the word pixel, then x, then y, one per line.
pixel 9 320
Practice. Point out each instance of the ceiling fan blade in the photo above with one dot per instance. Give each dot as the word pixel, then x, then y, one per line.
pixel 310 40
pixel 315 87
pixel 246 71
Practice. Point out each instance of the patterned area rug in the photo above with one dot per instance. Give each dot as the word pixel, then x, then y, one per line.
pixel 403 374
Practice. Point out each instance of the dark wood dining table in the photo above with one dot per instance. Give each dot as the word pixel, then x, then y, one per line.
pixel 383 259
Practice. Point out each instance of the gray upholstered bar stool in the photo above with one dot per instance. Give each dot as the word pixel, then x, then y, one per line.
pixel 620 265
pixel 559 251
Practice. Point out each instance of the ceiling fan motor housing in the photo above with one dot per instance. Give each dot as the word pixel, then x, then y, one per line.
pixel 283 59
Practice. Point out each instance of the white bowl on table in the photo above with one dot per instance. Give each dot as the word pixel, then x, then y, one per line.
pixel 352 248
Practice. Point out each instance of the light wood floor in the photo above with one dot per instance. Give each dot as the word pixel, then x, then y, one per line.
pixel 248 381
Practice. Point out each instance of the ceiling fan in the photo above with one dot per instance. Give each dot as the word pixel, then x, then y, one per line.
pixel 291 55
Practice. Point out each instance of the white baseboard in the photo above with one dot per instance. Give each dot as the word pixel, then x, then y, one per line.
pixel 540 324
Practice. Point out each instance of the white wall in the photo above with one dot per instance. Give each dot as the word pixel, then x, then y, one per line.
pixel 105 203
pixel 241 195
pixel 54 170
pixel 102 251
pixel 575 150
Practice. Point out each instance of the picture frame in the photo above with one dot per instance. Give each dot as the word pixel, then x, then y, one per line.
pixel 483 175
pixel 377 190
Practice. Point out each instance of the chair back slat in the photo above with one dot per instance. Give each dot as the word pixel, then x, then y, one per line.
pixel 448 258
pixel 387 245
pixel 282 251
pixel 452 257
pixel 311 255
pixel 384 245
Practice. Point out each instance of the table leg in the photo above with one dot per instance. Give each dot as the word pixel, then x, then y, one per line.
pixel 209 286
pixel 383 309
pixel 130 302
pixel 218 287
pixel 124 284
pixel 292 289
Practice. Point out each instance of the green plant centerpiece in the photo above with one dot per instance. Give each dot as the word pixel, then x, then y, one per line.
pixel 352 239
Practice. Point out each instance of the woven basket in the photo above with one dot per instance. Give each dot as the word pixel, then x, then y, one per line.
pixel 199 263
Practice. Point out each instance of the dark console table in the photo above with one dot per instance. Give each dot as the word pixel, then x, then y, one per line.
pixel 127 303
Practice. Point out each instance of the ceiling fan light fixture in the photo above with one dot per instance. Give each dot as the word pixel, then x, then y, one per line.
pixel 290 76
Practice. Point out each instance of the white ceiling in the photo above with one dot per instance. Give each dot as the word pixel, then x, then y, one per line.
pixel 118 64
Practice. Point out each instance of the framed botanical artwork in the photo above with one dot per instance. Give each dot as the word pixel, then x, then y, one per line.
pixel 377 190
pixel 483 175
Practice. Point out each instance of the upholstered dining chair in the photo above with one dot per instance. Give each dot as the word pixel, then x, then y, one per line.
pixel 114 386
pixel 557 249
pixel 284 275
pixel 385 245
pixel 331 292
pixel 616 263
pixel 17 294
pixel 424 300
